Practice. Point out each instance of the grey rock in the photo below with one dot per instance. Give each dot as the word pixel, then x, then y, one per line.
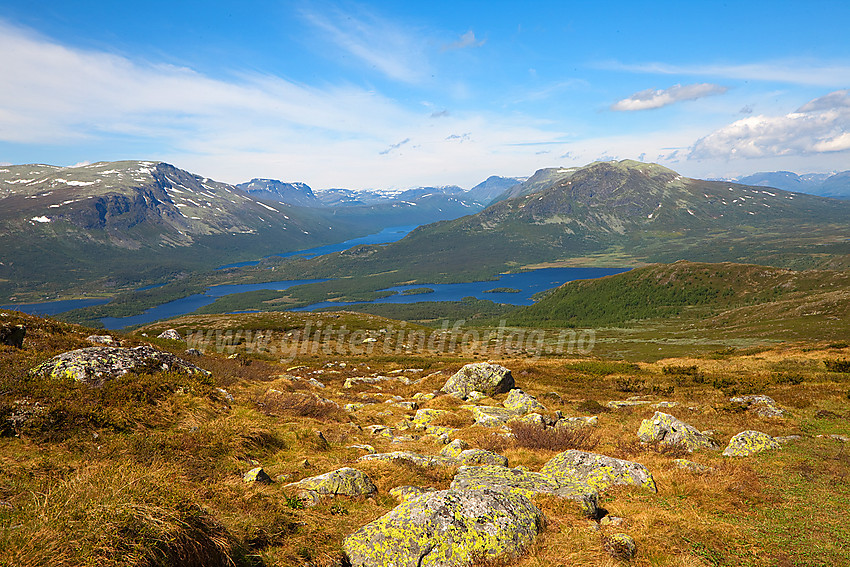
pixel 747 443
pixel 447 528
pixel 170 334
pixel 346 481
pixel 666 429
pixel 521 403
pixel 599 471
pixel 96 365
pixel 489 379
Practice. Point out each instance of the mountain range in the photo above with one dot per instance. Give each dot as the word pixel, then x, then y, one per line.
pixel 836 185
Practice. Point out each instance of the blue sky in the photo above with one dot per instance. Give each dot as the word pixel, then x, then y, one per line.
pixel 401 94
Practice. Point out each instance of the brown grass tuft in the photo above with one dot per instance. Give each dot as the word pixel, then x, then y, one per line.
pixel 531 436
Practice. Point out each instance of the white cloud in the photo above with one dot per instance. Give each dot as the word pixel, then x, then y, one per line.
pixel 820 126
pixel 380 44
pixel 251 126
pixel 792 71
pixel 466 40
pixel 657 98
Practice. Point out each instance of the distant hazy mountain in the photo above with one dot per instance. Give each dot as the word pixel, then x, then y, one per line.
pixel 298 194
pixel 824 184
pixel 487 191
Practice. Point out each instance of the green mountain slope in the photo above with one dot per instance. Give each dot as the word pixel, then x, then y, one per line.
pixel 625 213
pixel 110 225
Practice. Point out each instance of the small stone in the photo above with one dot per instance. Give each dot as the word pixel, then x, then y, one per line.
pixel 171 334
pixel 475 396
pixel 257 475
pixel 612 521
pixel 368 448
pixel 227 395
pixel 102 340
pixel 192 352
pixel 620 404
pixel 620 546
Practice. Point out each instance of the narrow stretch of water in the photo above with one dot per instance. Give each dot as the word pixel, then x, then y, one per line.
pixel 190 303
pixel 386 236
pixel 528 284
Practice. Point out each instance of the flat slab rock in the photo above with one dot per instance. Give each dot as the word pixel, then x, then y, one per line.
pixel 95 365
pixel 345 481
pixel 447 528
pixel 599 471
pixel 528 483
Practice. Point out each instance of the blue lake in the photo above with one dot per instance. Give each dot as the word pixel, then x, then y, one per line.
pixel 389 234
pixel 55 307
pixel 528 283
pixel 190 303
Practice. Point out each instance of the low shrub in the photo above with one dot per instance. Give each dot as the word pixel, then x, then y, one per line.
pixel 837 365
pixel 531 436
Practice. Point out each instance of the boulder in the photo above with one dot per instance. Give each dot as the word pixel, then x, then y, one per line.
pixel 489 379
pixel 12 335
pixel 490 416
pixel 521 403
pixel 96 365
pixel 599 471
pixel 447 528
pixel 171 334
pixel 760 405
pixel 666 429
pixel 529 483
pixel 345 481
pixel 748 443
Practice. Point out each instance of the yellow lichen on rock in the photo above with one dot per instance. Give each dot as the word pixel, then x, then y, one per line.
pixel 447 528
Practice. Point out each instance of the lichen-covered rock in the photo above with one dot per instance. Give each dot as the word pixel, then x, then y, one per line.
pixel 96 365
pixel 445 529
pixel 426 416
pixel 454 448
pixel 521 403
pixel 528 483
pixel 620 546
pixel 257 474
pixel 531 419
pixel 405 493
pixel 171 334
pixel 748 443
pixel 489 379
pixel 345 481
pixel 666 429
pixel 415 458
pixel 490 416
pixel 760 405
pixel 599 471
pixel 475 396
pixel 481 457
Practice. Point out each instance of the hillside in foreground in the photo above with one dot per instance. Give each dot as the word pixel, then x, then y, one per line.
pixel 151 468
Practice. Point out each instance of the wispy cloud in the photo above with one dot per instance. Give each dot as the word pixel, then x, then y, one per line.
pixel 394 147
pixel 792 71
pixel 657 98
pixel 466 40
pixel 820 126
pixel 383 45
